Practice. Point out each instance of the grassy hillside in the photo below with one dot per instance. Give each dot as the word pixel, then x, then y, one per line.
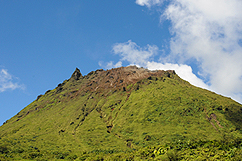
pixel 125 113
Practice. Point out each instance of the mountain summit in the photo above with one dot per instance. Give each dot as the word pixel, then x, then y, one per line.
pixel 120 112
pixel 77 74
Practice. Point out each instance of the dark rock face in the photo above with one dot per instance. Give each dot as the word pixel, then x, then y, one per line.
pixel 39 97
pixel 77 74
pixel 59 88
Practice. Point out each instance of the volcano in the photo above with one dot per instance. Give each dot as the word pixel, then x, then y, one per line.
pixel 125 113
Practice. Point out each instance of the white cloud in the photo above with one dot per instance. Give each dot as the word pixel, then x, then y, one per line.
pixel 148 3
pixel 6 81
pixel 134 54
pixel 182 70
pixel 209 31
pixel 111 65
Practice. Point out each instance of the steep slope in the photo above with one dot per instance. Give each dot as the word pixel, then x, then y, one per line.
pixel 119 110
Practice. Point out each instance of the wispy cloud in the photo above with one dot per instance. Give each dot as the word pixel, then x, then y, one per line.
pixel 7 81
pixel 148 3
pixel 136 55
pixel 110 64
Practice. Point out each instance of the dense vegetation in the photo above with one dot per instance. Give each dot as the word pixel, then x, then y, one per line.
pixel 180 150
pixel 125 114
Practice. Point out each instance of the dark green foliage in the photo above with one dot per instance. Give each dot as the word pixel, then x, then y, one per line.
pixel 3 149
pixel 172 155
pixel 187 150
pixel 32 155
pixel 214 150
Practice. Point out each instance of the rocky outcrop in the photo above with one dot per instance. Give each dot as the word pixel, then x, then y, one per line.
pixel 76 75
pixel 116 79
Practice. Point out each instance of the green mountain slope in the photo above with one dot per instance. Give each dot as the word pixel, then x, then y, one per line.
pixel 128 110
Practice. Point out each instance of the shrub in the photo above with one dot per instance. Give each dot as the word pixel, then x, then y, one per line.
pixel 3 149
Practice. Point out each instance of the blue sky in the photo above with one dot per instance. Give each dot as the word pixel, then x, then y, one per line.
pixel 42 42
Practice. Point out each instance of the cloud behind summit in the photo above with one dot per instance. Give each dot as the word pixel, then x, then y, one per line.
pixel 204 33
